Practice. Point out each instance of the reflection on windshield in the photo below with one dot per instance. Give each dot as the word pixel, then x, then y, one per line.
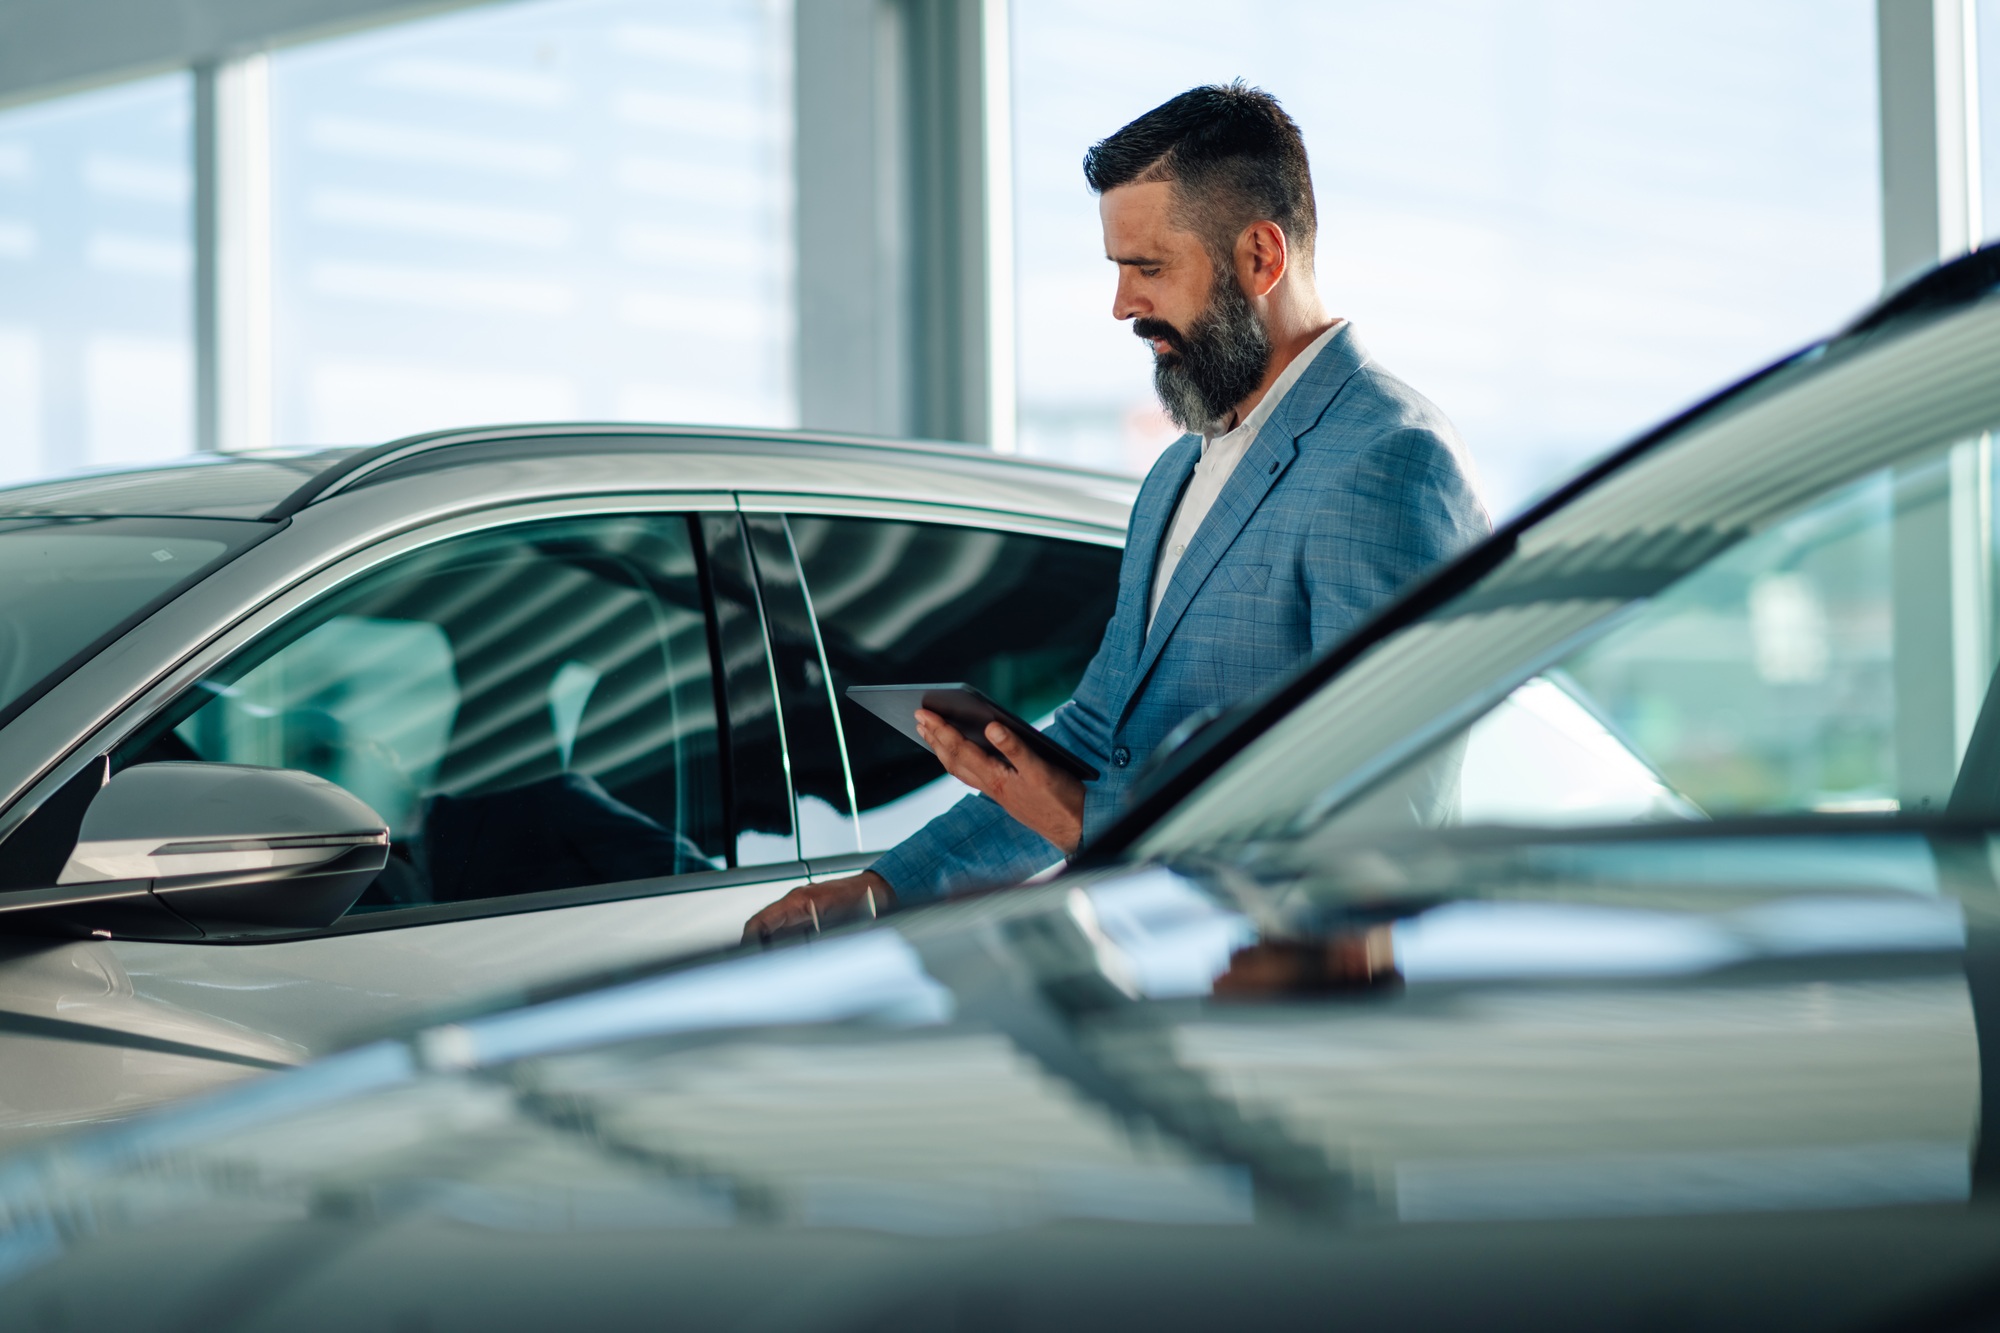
pixel 66 582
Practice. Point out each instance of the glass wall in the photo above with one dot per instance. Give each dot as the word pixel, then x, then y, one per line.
pixel 1560 220
pixel 574 209
pixel 95 267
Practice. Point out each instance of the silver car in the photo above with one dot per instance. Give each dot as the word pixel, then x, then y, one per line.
pixel 292 746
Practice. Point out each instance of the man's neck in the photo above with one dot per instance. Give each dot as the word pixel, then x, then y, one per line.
pixel 1287 345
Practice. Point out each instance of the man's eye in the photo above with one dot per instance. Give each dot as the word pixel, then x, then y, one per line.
pixel 1149 273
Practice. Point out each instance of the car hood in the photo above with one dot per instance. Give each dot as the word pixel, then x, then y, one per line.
pixel 1583 1078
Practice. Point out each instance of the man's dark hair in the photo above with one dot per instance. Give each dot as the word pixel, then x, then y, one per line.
pixel 1233 156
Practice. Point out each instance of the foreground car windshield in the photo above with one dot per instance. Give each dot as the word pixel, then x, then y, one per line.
pixel 1786 611
pixel 66 583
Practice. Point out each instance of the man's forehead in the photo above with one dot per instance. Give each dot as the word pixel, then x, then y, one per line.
pixel 1140 222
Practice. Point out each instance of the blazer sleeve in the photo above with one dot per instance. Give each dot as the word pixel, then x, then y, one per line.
pixel 1408 506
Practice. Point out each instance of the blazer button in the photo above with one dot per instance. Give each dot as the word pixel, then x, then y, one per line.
pixel 1120 757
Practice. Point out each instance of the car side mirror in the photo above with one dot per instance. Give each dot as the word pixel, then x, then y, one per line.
pixel 209 851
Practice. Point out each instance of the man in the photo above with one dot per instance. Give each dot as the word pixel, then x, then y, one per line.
pixel 1311 487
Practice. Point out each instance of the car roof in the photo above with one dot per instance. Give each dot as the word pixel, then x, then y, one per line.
pixel 276 484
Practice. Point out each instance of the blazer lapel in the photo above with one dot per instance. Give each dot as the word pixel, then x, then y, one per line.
pixel 1150 520
pixel 1256 473
pixel 1258 470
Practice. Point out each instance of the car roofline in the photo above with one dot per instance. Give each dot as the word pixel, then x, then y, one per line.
pixel 1942 290
pixel 356 468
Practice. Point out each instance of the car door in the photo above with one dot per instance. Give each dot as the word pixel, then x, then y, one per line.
pixel 899 596
pixel 567 723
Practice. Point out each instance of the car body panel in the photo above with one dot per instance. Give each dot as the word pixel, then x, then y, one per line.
pixel 80 1043
pixel 318 994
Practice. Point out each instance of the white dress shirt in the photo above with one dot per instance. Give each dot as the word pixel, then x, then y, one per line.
pixel 1219 456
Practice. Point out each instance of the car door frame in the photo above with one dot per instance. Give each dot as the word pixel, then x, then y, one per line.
pixel 1010 521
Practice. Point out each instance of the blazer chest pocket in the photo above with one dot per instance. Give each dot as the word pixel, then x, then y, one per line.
pixel 1245 578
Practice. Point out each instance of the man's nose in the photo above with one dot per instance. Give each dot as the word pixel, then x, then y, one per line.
pixel 1126 303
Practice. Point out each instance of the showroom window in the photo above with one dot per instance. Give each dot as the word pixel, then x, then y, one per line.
pixel 95 279
pixel 574 209
pixel 1561 221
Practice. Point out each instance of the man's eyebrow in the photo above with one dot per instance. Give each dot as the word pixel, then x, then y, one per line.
pixel 1136 261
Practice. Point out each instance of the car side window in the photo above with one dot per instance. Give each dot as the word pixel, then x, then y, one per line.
pixel 529 709
pixel 900 603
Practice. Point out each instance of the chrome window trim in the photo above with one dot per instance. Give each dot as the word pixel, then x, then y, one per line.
pixel 120 720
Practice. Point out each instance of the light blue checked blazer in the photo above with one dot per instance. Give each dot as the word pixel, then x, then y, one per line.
pixel 1355 485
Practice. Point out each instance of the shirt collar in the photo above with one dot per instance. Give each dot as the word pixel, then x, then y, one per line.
pixel 1279 388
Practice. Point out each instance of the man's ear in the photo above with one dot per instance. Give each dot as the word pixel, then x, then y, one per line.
pixel 1262 256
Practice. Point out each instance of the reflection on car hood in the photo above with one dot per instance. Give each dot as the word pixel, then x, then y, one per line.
pixel 1738 1067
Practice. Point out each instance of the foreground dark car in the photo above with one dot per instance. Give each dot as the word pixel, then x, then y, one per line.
pixel 1651 1080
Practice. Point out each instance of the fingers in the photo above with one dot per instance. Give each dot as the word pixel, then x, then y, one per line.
pixel 811 908
pixel 765 917
pixel 1007 743
pixel 962 758
pixel 793 907
pixel 944 740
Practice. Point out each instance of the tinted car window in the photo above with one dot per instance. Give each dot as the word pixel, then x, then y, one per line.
pixel 903 603
pixel 531 709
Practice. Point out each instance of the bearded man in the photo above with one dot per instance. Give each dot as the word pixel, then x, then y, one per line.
pixel 1312 486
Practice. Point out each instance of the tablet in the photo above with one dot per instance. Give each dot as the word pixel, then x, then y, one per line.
pixel 966 708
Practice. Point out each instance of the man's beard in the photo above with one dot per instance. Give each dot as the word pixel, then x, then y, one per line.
pixel 1216 364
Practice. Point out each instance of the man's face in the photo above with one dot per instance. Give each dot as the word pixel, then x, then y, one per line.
pixel 1210 349
pixel 1164 273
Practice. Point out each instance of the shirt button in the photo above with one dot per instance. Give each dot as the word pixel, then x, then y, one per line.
pixel 1181 549
pixel 1120 757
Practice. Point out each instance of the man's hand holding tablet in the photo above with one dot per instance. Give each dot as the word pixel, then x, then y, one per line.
pixel 992 750
pixel 1037 793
